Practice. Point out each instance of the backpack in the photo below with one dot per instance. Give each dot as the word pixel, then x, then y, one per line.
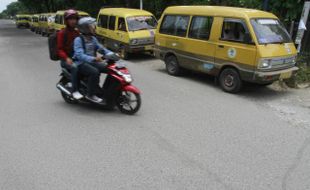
pixel 52 45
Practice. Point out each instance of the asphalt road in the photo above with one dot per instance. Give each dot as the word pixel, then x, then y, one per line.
pixel 188 134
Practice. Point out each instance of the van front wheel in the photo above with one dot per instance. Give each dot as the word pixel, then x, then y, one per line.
pixel 172 66
pixel 230 80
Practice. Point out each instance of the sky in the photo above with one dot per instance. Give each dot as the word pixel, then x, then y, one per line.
pixel 4 3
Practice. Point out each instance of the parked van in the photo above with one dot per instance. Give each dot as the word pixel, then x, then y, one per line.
pixel 45 23
pixel 59 23
pixel 34 24
pixel 233 44
pixel 126 30
pixel 22 20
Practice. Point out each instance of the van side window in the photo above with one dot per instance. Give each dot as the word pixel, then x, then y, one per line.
pixel 175 25
pixel 112 22
pixel 103 21
pixel 200 27
pixel 234 30
pixel 121 24
pixel 61 19
pixel 57 19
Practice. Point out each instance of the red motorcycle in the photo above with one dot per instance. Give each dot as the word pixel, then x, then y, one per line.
pixel 117 89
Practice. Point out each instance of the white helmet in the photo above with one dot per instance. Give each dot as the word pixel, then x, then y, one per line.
pixel 85 23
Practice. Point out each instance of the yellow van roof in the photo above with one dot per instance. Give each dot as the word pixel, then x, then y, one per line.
pixel 47 14
pixel 61 12
pixel 23 15
pixel 219 11
pixel 124 12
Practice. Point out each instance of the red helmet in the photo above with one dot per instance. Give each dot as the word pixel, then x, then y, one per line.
pixel 71 13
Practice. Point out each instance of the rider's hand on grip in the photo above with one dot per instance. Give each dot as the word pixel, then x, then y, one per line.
pixel 69 61
pixel 98 59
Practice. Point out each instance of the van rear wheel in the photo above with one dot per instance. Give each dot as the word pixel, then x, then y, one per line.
pixel 172 66
pixel 230 80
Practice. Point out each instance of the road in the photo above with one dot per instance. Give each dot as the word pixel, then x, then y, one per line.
pixel 188 134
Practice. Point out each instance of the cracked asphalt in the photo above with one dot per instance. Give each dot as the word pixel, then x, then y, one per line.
pixel 188 135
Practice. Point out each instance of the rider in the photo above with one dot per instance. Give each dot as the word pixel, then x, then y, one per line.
pixel 85 54
pixel 65 39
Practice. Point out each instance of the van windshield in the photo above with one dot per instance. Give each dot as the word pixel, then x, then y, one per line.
pixel 141 23
pixel 270 31
pixel 51 19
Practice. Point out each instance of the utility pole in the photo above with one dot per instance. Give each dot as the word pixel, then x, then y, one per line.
pixel 141 4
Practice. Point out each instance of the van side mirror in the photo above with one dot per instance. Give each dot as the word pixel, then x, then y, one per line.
pixel 247 38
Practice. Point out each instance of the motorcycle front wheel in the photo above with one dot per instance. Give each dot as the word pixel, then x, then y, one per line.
pixel 128 102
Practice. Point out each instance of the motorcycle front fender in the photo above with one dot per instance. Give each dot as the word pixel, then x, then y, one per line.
pixel 131 88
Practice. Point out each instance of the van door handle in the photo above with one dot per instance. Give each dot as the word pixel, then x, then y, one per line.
pixel 220 46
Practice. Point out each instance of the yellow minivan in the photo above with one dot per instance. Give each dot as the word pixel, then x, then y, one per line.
pixel 45 23
pixel 22 20
pixel 126 30
pixel 233 44
pixel 34 23
pixel 59 23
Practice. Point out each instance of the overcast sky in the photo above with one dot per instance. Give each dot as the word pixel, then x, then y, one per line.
pixel 4 3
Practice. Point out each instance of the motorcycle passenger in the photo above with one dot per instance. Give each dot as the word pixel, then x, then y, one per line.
pixel 65 39
pixel 85 55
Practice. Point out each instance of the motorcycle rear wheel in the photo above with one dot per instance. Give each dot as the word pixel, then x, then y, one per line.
pixel 129 102
pixel 67 98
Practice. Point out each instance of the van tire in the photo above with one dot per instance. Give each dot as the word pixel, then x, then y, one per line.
pixel 172 66
pixel 230 80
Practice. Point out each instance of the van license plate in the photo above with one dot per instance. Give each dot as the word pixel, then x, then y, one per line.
pixel 286 75
pixel 148 48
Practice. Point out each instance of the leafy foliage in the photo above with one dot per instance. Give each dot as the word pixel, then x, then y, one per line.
pixel 287 10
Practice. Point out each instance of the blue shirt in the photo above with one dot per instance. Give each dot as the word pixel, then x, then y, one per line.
pixel 89 54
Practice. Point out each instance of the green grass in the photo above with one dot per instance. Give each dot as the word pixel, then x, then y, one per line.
pixel 303 74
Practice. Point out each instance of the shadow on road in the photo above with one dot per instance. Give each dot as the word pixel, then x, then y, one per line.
pixel 138 58
pixel 249 90
pixel 88 109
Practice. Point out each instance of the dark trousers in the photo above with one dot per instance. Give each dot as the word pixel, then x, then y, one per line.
pixel 74 74
pixel 92 72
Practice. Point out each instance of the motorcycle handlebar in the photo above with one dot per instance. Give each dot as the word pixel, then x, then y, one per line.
pixel 112 56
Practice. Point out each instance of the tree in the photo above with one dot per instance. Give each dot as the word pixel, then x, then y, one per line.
pixel 16 7
pixel 287 10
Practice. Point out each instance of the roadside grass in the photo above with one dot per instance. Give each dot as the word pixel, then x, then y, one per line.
pixel 303 74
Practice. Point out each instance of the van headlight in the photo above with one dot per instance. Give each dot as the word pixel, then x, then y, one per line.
pixel 134 42
pixel 264 64
pixel 270 63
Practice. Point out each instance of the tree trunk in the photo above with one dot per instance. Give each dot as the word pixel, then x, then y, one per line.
pixel 47 5
pixel 128 3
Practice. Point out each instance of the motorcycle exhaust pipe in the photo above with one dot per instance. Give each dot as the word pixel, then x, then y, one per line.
pixel 63 89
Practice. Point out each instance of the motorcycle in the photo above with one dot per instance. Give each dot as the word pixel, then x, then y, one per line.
pixel 117 89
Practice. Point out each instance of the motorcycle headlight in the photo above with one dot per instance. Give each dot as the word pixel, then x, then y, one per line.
pixel 264 64
pixel 127 78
